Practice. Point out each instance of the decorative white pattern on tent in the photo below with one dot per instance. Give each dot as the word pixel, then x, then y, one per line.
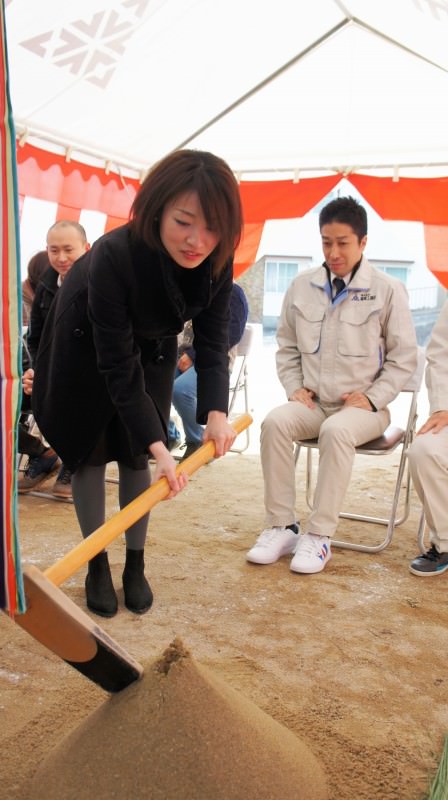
pixel 285 86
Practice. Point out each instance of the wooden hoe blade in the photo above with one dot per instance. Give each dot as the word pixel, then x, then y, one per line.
pixel 57 622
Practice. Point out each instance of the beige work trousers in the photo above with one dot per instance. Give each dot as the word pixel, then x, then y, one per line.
pixel 428 462
pixel 340 430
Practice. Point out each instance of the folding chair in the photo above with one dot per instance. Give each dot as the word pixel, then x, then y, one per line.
pixel 392 438
pixel 239 382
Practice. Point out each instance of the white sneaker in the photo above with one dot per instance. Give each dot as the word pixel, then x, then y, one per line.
pixel 312 553
pixel 273 543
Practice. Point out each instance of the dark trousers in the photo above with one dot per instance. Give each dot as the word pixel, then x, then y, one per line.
pixel 28 444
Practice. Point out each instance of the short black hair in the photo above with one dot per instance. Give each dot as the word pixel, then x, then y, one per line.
pixel 348 211
pixel 191 171
pixel 69 223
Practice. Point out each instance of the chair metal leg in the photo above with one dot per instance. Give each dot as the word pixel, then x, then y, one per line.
pixel 391 522
pixel 242 385
pixel 47 496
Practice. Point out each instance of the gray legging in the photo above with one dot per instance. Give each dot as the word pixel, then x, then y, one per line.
pixel 89 497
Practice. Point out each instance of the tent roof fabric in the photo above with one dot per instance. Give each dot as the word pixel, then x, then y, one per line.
pixel 284 87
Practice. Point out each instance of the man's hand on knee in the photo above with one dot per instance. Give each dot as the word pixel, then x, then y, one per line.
pixel 435 423
pixel 357 399
pixel 304 396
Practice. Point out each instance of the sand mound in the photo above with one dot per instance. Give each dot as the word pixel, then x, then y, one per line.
pixel 179 734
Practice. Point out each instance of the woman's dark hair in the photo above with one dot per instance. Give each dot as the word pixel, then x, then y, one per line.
pixel 37 265
pixel 191 171
pixel 348 211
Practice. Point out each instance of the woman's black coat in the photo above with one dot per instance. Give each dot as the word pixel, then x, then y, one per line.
pixel 109 346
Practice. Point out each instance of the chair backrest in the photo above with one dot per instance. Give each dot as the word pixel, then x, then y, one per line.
pixel 239 374
pixel 245 343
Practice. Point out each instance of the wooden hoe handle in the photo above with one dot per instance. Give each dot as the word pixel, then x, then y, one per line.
pixel 105 534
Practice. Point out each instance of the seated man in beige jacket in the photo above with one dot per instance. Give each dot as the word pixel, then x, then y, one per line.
pixel 428 455
pixel 347 346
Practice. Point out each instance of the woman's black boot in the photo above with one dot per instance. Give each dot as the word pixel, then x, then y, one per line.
pixel 137 591
pixel 100 592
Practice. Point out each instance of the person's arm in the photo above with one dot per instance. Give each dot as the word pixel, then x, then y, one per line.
pixel 118 355
pixel 35 325
pixel 118 358
pixel 211 348
pixel 211 364
pixel 239 311
pixel 32 340
pixel 436 374
pixel 400 346
pixel 288 357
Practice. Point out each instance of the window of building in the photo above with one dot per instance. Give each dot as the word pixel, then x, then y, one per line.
pixel 279 274
pixel 401 273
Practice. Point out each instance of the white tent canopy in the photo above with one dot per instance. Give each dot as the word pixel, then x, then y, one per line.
pixel 274 88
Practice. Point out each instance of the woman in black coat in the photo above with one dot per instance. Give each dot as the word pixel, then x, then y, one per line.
pixel 105 367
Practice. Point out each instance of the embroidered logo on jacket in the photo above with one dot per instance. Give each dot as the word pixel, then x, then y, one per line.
pixel 363 296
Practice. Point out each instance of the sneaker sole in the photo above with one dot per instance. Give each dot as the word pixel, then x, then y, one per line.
pixel 25 489
pixel 261 560
pixel 433 574
pixel 302 571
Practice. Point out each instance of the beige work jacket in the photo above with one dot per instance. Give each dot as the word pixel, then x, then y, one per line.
pixel 437 364
pixel 363 341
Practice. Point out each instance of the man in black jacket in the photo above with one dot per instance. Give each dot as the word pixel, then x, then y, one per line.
pixel 66 242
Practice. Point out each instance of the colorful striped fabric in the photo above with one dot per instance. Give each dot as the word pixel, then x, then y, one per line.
pixel 12 598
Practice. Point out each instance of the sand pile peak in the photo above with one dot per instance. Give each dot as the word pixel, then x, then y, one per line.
pixel 180 733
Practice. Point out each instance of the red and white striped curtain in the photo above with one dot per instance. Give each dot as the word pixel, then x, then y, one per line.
pixel 11 585
pixel 75 191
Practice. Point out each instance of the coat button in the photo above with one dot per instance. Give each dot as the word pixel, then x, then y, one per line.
pixel 78 332
pixel 159 359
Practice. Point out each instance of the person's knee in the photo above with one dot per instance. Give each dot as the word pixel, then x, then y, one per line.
pixel 183 395
pixel 271 423
pixel 277 427
pixel 421 449
pixel 333 433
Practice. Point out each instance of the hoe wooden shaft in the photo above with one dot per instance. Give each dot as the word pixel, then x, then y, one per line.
pixel 104 535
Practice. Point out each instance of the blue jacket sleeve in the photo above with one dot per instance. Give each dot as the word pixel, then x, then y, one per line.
pixel 239 311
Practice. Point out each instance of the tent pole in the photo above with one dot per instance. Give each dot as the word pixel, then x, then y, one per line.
pixel 272 77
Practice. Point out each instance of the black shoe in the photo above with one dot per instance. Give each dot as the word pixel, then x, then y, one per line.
pixel 100 592
pixel 138 596
pixel 190 448
pixel 430 563
pixel 173 443
pixel 38 469
pixel 63 483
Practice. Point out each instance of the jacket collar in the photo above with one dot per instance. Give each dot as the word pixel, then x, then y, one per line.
pixel 360 282
pixel 172 279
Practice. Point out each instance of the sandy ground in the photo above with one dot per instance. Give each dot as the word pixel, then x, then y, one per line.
pixel 352 660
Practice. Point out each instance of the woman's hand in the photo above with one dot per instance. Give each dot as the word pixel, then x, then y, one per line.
pixel 219 430
pixel 166 467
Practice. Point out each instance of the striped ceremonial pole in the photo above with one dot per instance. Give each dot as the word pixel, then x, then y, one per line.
pixel 12 598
